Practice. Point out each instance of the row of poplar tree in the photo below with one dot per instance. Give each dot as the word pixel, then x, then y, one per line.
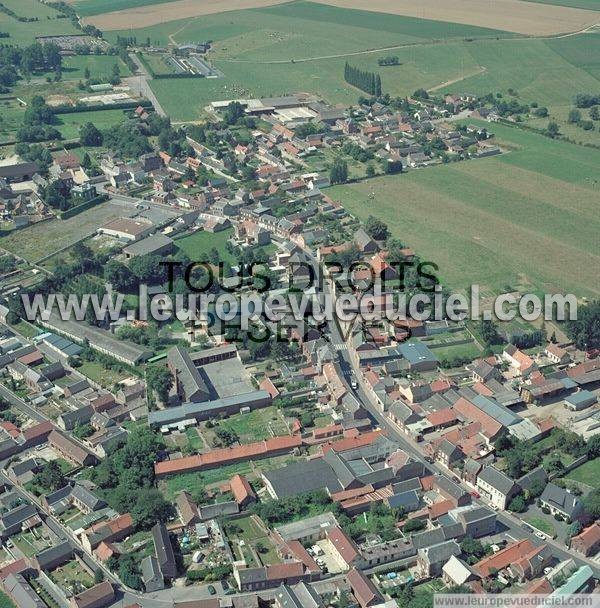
pixel 369 82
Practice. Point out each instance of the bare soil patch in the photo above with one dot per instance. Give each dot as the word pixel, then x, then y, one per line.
pixel 145 16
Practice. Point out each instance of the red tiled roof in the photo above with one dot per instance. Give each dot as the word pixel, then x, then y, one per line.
pixel 504 558
pixel 444 416
pixel 471 412
pixel 540 587
pixel 344 545
pixel 590 536
pixel 363 589
pixel 221 456
pixel 34 432
pixel 278 572
pixel 31 358
pixel 13 568
pixel 241 489
pixel 354 442
pixel 437 509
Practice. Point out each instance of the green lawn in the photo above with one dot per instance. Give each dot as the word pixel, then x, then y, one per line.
pixel 542 524
pixel 252 535
pixel 527 217
pixel 5 601
pixel 100 66
pixel 69 124
pixel 96 372
pixel 457 351
pixel 255 425
pixel 588 473
pixel 199 244
pixel 11 117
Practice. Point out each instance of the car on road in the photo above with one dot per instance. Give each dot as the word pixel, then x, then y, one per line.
pixel 540 534
pixel 353 383
pixel 212 590
pixel 475 494
pixel 527 527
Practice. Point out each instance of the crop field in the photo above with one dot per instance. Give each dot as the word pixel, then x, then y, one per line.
pixel 48 22
pixel 509 15
pixel 270 51
pixel 528 218
pixel 69 124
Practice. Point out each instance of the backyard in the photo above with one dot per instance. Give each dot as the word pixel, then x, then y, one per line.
pixel 588 473
pixel 198 245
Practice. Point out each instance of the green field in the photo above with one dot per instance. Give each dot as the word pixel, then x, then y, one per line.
pixel 301 45
pixel 295 29
pixel 592 5
pixel 49 22
pixel 527 218
pixel 197 245
pixel 44 238
pixel 87 8
pixel 69 124
pixel 11 118
pixel 588 473
pixel 100 67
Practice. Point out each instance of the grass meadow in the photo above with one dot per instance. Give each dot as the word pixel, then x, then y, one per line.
pixel 528 218
pixel 49 22
pixel 301 45
pixel 69 124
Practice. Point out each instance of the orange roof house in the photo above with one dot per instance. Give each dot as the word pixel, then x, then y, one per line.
pixel 241 490
pixel 223 456
pixel 504 558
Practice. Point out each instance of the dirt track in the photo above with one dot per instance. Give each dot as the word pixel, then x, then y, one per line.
pixel 509 15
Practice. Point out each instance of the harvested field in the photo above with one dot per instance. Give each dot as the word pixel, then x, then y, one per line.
pixel 517 16
pixel 144 16
pixel 509 15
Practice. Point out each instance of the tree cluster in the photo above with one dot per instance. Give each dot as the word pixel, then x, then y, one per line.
pixel 369 82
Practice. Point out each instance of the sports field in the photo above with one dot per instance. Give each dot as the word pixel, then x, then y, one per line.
pixel 525 219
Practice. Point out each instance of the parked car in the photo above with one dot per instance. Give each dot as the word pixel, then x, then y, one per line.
pixel 212 590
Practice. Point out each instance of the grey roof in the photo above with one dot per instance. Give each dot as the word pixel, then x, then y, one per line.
pixel 474 513
pixel 150 569
pixel 300 477
pixel 164 550
pixel 537 474
pixel 405 486
pixel 300 596
pixel 560 499
pixel 416 352
pixel 409 501
pixel 77 417
pixel 438 535
pixel 497 480
pixel 194 386
pixel 207 409
pixel 148 245
pixel 448 486
pixel 22 592
pixel 441 553
pixel 89 499
pixel 18 515
pixel 63 551
pixel 306 527
pixel 497 411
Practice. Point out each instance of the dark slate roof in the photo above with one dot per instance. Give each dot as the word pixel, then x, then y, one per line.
pixel 497 479
pixel 300 477
pixel 560 499
pixel 62 551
